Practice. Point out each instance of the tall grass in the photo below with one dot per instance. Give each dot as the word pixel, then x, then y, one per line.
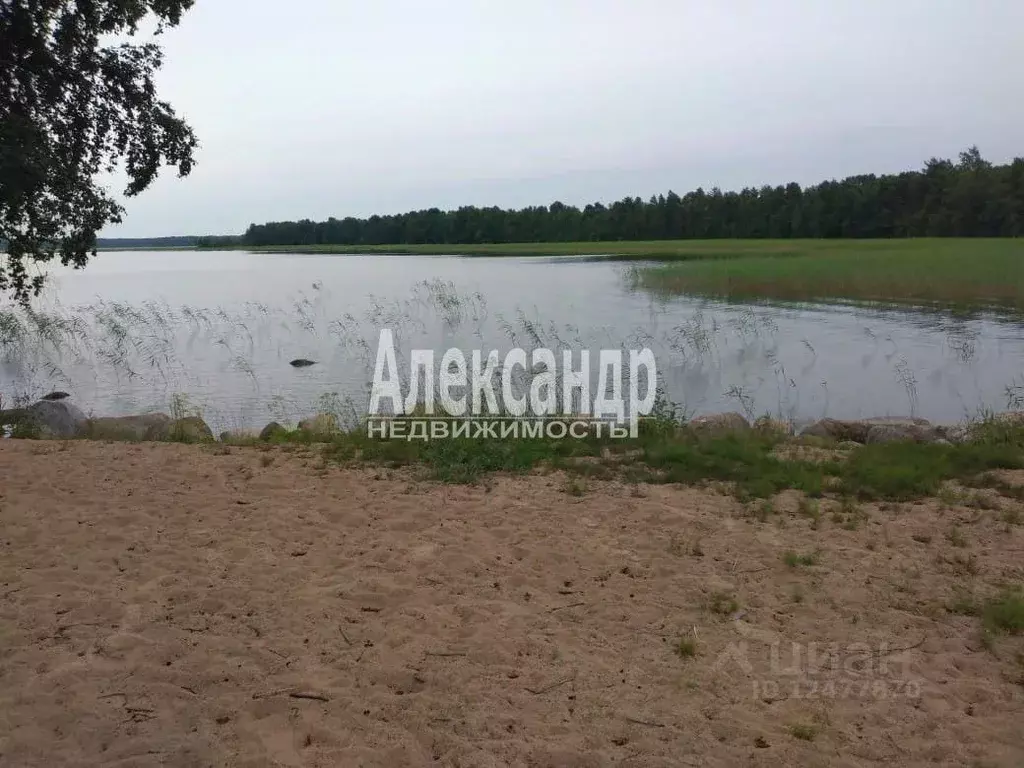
pixel 150 345
pixel 149 348
pixel 926 271
pixel 666 451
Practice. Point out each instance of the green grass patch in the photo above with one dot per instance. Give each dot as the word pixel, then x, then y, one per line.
pixel 745 463
pixel 745 460
pixel 795 560
pixel 661 454
pixel 722 603
pixel 686 648
pixel 804 731
pixel 908 471
pixel 925 271
pixel 1004 613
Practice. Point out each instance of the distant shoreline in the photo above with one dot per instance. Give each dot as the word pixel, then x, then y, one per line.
pixel 671 249
pixel 108 249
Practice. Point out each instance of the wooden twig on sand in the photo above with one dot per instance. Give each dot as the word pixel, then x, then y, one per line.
pixel 566 607
pixel 308 696
pixel 548 688
pixel 918 644
pixel 293 694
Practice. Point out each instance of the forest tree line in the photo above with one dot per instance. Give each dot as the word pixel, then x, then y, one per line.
pixel 175 241
pixel 968 198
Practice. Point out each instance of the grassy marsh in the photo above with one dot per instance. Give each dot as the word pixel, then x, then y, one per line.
pixel 986 272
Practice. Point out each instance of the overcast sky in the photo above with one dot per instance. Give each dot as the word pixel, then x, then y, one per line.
pixel 317 108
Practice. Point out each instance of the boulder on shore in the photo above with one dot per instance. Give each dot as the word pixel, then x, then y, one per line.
pixel 1010 418
pixel 882 429
pixel 719 424
pixel 238 436
pixel 146 426
pixel 46 419
pixel 321 425
pixel 271 431
pixel 768 425
pixel 190 429
pixel 972 431
pixel 901 433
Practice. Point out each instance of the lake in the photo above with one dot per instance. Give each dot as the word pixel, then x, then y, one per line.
pixel 135 330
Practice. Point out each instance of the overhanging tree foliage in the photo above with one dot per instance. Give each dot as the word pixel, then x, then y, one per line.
pixel 74 105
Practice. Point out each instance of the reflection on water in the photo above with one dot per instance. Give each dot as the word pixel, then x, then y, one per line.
pixel 133 329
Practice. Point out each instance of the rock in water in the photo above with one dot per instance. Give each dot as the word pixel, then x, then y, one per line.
pixel 302 363
pixel 56 396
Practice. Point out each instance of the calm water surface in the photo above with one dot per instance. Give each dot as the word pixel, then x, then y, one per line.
pixel 137 328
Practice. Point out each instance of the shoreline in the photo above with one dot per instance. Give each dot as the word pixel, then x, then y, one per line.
pixel 682 248
pixel 889 459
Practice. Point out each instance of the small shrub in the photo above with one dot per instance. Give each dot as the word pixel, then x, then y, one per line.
pixel 965 565
pixel 575 487
pixel 686 648
pixel 804 732
pixel 981 501
pixel 794 560
pixel 1005 613
pixel 964 604
pixel 723 603
pixel 764 510
pixel 956 537
pixel 809 508
pixel 951 497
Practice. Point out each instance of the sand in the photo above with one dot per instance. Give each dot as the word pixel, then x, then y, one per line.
pixel 168 605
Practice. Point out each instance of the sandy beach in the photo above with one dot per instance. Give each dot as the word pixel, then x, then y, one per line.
pixel 172 605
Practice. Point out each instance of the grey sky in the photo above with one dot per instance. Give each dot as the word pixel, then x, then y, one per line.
pixel 318 108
